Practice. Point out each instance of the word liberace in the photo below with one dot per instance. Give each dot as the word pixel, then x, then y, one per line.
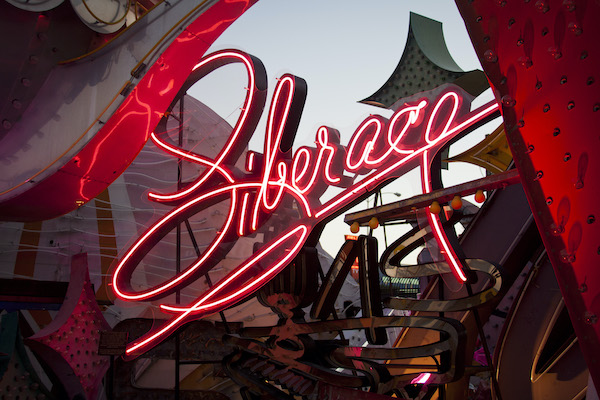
pixel 379 150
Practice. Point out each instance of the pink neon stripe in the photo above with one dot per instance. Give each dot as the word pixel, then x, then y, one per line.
pixel 237 129
pixel 345 198
pixel 436 227
pixel 215 290
pixel 188 155
pixel 422 378
pixel 193 267
pixel 243 214
pixel 270 157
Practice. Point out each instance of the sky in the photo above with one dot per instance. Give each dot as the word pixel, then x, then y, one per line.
pixel 345 50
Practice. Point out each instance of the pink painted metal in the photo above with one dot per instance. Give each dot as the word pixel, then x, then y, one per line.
pixel 69 344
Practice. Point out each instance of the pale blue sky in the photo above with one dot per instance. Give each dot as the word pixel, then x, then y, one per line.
pixel 345 50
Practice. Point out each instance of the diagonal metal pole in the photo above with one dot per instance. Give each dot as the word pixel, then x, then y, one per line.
pixel 178 253
pixel 208 280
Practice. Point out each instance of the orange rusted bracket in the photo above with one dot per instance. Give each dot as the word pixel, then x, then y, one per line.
pixel 405 208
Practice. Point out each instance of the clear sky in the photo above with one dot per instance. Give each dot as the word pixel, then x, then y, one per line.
pixel 345 50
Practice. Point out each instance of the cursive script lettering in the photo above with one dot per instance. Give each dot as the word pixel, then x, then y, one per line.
pixel 280 179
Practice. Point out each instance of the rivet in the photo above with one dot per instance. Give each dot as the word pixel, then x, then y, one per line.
pixel 567 157
pixel 486 39
pixel 590 80
pixel 525 62
pixel 538 85
pixel 567 257
pixel 591 219
pixel 570 105
pixel 544 31
pixel 575 28
pixel 511 22
pixel 530 149
pixel 542 6
pixel 17 104
pixel 478 18
pixel 556 131
pixel 555 52
pixel 549 200
pixel 508 101
pixel 563 79
pixel 520 42
pixel 557 230
pixel 546 107
pixel 25 82
pixel 590 318
pixel 583 55
pixel 6 124
pixel 569 5
pixel 539 175
pixel 490 56
pixel 596 107
pixel 520 123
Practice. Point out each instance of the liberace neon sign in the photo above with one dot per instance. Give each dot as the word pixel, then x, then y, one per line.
pixel 282 181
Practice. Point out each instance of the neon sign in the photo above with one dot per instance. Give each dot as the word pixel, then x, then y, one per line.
pixel 286 181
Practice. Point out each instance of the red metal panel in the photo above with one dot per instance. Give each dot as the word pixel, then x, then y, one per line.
pixel 115 146
pixel 543 61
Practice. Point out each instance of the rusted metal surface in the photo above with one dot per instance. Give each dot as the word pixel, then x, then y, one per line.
pixel 400 209
pixel 359 359
pixel 493 286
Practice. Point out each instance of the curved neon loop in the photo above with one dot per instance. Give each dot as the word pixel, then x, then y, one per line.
pixel 272 142
pixel 323 141
pixel 350 165
pixel 189 271
pixel 302 154
pixel 378 174
pixel 380 153
pixel 198 306
pixel 413 116
pixel 436 109
pixel 148 339
pixel 245 60
pixel 214 245
pixel 190 156
pixel 436 226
